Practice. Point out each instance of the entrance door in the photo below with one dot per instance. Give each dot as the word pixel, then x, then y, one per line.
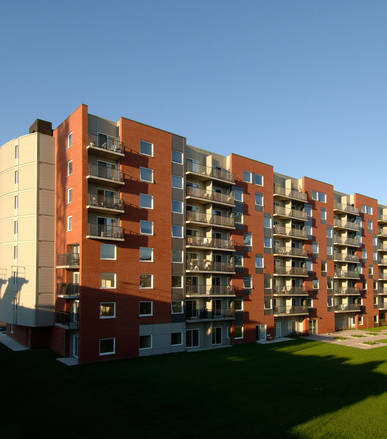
pixel 277 329
pixel 260 332
pixel 312 327
pixel 74 345
pixel 191 308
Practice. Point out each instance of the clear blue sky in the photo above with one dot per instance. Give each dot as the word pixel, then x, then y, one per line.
pixel 300 84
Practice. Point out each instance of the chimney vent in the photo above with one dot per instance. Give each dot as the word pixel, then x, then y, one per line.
pixel 41 126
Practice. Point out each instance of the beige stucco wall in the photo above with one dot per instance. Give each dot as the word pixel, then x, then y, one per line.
pixel 30 300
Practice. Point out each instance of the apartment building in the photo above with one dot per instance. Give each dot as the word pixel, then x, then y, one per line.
pixel 158 246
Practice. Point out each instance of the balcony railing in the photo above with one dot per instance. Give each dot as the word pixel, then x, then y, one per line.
pixel 96 200
pixel 382 218
pixel 345 307
pixel 290 291
pixel 345 258
pixel 347 274
pixel 346 241
pixel 204 290
pixel 382 247
pixel 346 225
pixel 382 261
pixel 67 319
pixel 67 289
pixel 296 233
pixel 382 276
pixel 347 291
pixel 215 220
pixel 381 292
pixel 68 260
pixel 290 310
pixel 210 196
pixel 382 233
pixel 204 314
pixel 292 213
pixel 289 193
pixel 106 173
pixel 296 271
pixel 210 266
pixel 103 231
pixel 108 143
pixel 290 251
pixel 380 305
pixel 346 208
pixel 218 173
pixel 200 241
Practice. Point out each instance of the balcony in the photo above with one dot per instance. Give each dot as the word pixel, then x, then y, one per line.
pixel 66 320
pixel 204 196
pixel 293 291
pixel 283 212
pixel 105 146
pixel 104 204
pixel 292 194
pixel 110 233
pixel 350 242
pixel 381 247
pixel 382 276
pixel 203 219
pixel 346 258
pixel 341 274
pixel 346 291
pixel 68 260
pixel 346 208
pixel 380 292
pixel 382 233
pixel 290 310
pixel 351 307
pixel 67 290
pixel 290 251
pixel 382 261
pixel 206 172
pixel 294 233
pixel 337 224
pixel 206 291
pixel 208 315
pixel 209 243
pixel 106 175
pixel 380 306
pixel 209 267
pixel 382 219
pixel 290 271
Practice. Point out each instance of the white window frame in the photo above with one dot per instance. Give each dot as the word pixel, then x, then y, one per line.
pixel 182 308
pixel 257 184
pixel 139 308
pixel 101 354
pixel 262 259
pixel 152 147
pixel 181 338
pixel 69 223
pixel 139 282
pixel 181 155
pixel 16 227
pixel 69 140
pixel 151 342
pixel 251 282
pixel 69 195
pixel 267 218
pixel 182 234
pixel 181 182
pixel 181 281
pixel 239 191
pixel 264 242
pixel 69 163
pixel 143 179
pixel 108 259
pixel 108 288
pixel 250 176
pixel 241 302
pixel 240 338
pixel 16 151
pixel 16 181
pixel 241 258
pixel 146 195
pixel 221 335
pixel 107 317
pixel 180 211
pixel 15 252
pixel 262 200
pixel 139 255
pixel 323 214
pixel 16 202
pixel 194 346
pixel 143 233
pixel 181 254
pixel 250 240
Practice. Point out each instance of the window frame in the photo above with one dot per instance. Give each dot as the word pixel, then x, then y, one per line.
pixel 69 195
pixel 151 308
pixel 114 283
pixel 261 200
pixel 181 339
pixel 181 157
pixel 142 168
pixel 108 259
pixel 146 195
pixel 114 309
pixel 69 165
pixel 144 260
pixel 139 283
pixel 69 223
pixel 262 260
pixel 149 143
pixel 148 347
pixel 101 354
pixel 242 332
pixel 245 173
pixel 69 140
pixel 147 234
pixel 180 179
pixel 181 206
pixel 181 228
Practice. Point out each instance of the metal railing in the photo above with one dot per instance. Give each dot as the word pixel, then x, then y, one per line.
pixel 382 232
pixel 382 261
pixel 218 173
pixel 346 208
pixel 382 276
pixel 290 291
pixel 346 225
pixel 381 291
pixel 279 230
pixel 345 258
pixel 380 305
pixel 210 195
pixel 216 290
pixel 106 172
pixel 67 319
pixel 67 289
pixel 346 274
pixel 205 314
pixel 216 220
pixel 104 231
pixel 346 291
pixel 97 200
pixel 382 218
pixel 210 266
pixel 345 307
pixel 290 270
pixel 291 309
pixel 68 260
pixel 381 247
pixel 345 241
pixel 290 251
pixel 201 241
pixel 108 143
pixel 293 213
pixel 289 193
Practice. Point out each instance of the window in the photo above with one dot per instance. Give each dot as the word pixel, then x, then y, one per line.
pixel 364 253
pixel 247 282
pixel 315 284
pixel 177 182
pixel 238 260
pixel 146 281
pixel 370 226
pixel 15 252
pixel 16 151
pixel 258 199
pixel 315 248
pixel 267 282
pixel 216 335
pixel 107 280
pixel 69 195
pixel 323 213
pixel 16 177
pixel 146 254
pixel 177 156
pixel 267 222
pixel 258 179
pixel 360 320
pixel 247 176
pixel 247 239
pixel 370 270
pixel 329 232
pixel 267 303
pixel 146 227
pixel 192 338
pixel 69 167
pixel 70 140
pixel 108 251
pixel 146 148
pixel 308 229
pixel 375 241
pixel 107 346
pixel 308 210
pixel 177 282
pixel 309 265
pixel 238 305
pixel 238 217
pixel 319 196
pixel 329 283
pixel 177 206
pixel 16 201
pixel 145 342
pixel 177 256
pixel 366 209
pixel 238 332
pixel 107 310
pixel 15 227
pixel 323 267
pixel 146 201
pixel 375 256
pixel 177 308
pixel 238 194
pixel 177 231
pixel 176 338
pixel 69 223
pixel 267 242
pixel 329 250
pixel 146 174
pixel 146 308
pixel 258 261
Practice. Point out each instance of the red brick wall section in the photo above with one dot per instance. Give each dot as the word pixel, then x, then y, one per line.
pixel 253 222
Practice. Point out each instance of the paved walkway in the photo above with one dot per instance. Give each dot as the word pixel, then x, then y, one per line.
pixel 11 343
pixel 353 338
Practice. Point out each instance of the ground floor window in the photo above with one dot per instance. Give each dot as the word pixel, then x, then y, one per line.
pixel 176 338
pixel 145 342
pixel 107 346
pixel 238 332
pixel 192 338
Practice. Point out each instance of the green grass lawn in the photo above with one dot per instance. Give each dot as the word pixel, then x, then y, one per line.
pixel 376 329
pixel 298 389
